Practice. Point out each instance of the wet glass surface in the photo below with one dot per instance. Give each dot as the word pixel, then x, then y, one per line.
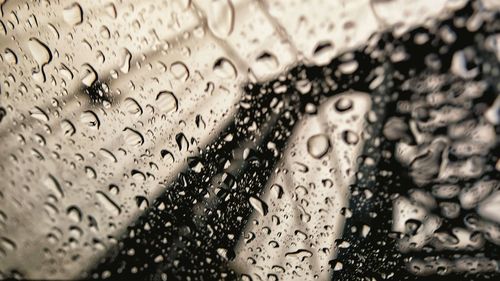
pixel 253 140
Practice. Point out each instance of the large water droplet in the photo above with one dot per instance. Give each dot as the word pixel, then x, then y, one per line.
pixel 42 55
pixel 220 17
pixel 68 128
pixel 133 137
pixel 108 203
pixel 318 145
pixel 53 186
pixel 180 71
pixel 73 14
pixel 132 106
pixel 39 114
pixel 90 119
pixel 167 102
pixel 127 57
pixel 259 205
pixel 224 69
pixel 343 104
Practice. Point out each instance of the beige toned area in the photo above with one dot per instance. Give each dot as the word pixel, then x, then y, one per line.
pixel 65 161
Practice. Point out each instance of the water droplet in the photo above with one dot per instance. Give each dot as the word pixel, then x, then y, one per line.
pixel 89 76
pixel 10 56
pixel 304 86
pixel 180 71
pixel 225 69
pixel 8 244
pixel 42 55
pixel 165 154
pixel 350 137
pixel 277 190
pixel 343 104
pixel 39 114
pixel 318 145
pixel 127 57
pixel 167 102
pixel 53 186
pixel 300 254
pixel 259 205
pixel 142 202
pixel 74 214
pixel 348 67
pixel 133 137
pixel 111 10
pixel 90 172
pixel 182 141
pixel 68 128
pixel 108 155
pixel 220 17
pixel 132 106
pixel 323 52
pixel 73 14
pixel 108 203
pixel 90 119
pixel 266 63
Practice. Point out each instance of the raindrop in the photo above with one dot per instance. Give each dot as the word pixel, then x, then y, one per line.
pixel 258 205
pixel 318 145
pixel 89 76
pixel 74 214
pixel 53 186
pixel 182 141
pixel 167 102
pixel 108 155
pixel 167 154
pixel 68 128
pixel 10 56
pixel 142 202
pixel 220 17
pixel 108 203
pixel 39 114
pixel 133 137
pixel 3 113
pixel 180 71
pixel 42 55
pixel 266 63
pixel 132 106
pixel 73 14
pixel 90 119
pixel 125 68
pixel 350 137
pixel 343 104
pixel 348 67
pixel 225 69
